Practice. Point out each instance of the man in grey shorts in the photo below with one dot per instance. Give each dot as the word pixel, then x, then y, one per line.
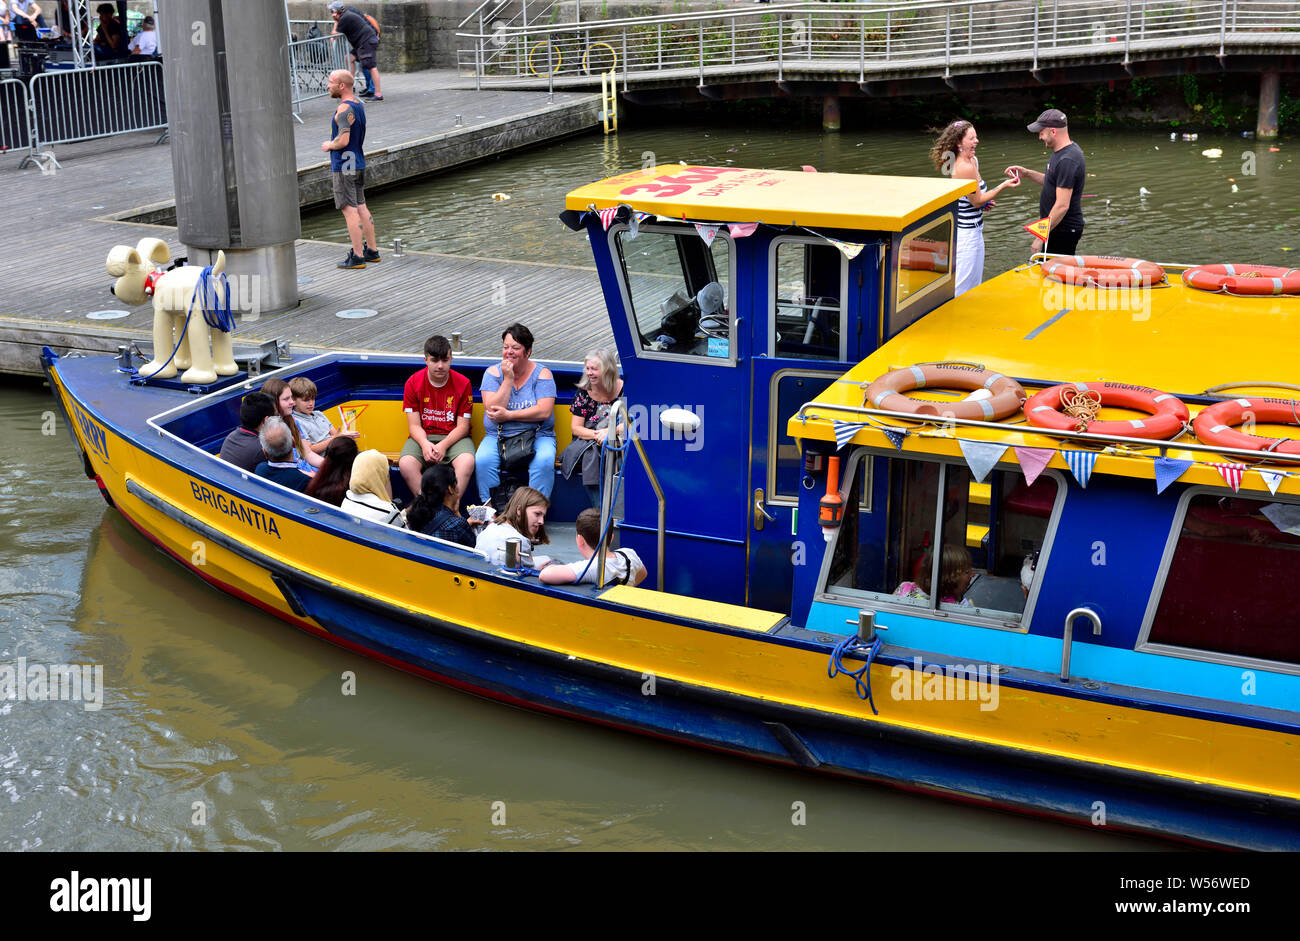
pixel 348 170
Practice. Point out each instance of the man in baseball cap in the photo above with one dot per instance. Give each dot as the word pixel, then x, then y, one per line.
pixel 1062 184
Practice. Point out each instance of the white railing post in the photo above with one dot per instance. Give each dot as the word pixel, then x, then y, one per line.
pixel 947 45
pixel 889 18
pixel 1035 38
pixel 1223 28
pixel 624 62
pixel 1128 28
pixel 1056 17
pixel 780 47
pixel 862 47
pixel 478 48
pixel 701 34
pixel 733 40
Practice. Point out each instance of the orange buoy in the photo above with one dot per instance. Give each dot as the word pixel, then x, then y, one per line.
pixel 1005 399
pixel 924 255
pixel 1253 280
pixel 1103 271
pixel 1214 425
pixel 1046 409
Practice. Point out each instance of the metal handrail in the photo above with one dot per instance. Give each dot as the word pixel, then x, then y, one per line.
pixel 862 37
pixel 1146 444
pixel 1067 637
pixel 619 407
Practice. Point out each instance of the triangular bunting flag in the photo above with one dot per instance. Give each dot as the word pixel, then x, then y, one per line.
pixel 845 430
pixel 1040 229
pixel 1080 464
pixel 1032 461
pixel 1272 478
pixel 741 229
pixel 1232 473
pixel 607 216
pixel 808 169
pixel 634 224
pixel 981 456
pixel 707 232
pixel 850 249
pixel 1168 470
pixel 895 437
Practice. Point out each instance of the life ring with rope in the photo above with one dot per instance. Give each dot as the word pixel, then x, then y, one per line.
pixel 1073 406
pixel 1103 271
pixel 1215 424
pixel 1248 280
pixel 924 255
pixel 1005 395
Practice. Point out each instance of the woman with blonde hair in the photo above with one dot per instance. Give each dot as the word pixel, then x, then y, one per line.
pixel 599 387
pixel 370 492
pixel 953 154
pixel 280 393
pixel 524 518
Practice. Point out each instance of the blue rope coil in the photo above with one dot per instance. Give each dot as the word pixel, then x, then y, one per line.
pixel 851 645
pixel 217 316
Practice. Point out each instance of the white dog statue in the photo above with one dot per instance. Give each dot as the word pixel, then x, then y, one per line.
pixel 204 354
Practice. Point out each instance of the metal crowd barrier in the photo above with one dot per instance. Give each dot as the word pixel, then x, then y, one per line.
pixel 85 104
pixel 310 63
pixel 15 119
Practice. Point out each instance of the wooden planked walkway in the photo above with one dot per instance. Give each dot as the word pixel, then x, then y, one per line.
pixel 71 218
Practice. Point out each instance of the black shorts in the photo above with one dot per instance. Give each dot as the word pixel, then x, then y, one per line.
pixel 1063 241
pixel 349 188
pixel 365 54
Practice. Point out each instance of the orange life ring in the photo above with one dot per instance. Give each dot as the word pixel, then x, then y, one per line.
pixel 1103 271
pixel 1214 425
pixel 1255 280
pixel 1005 399
pixel 924 255
pixel 1168 413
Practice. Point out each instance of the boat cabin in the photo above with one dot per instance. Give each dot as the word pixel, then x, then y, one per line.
pixel 739 295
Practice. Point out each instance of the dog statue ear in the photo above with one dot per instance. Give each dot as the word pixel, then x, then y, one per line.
pixel 120 258
pixel 155 250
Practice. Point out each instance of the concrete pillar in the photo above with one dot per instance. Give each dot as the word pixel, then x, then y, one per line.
pixel 1268 95
pixel 226 68
pixel 830 113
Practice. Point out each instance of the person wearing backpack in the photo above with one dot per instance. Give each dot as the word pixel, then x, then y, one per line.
pixel 362 32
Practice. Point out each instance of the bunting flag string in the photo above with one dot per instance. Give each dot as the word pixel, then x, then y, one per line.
pixel 1168 470
pixel 607 216
pixel 981 456
pixel 1232 473
pixel 1080 464
pixel 845 430
pixel 895 437
pixel 740 230
pixel 850 250
pixel 1272 478
pixel 707 232
pixel 1032 461
pixel 634 224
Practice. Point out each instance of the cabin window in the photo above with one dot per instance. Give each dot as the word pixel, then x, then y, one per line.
pixel 678 292
pixel 1229 590
pixel 808 279
pixel 791 388
pixel 924 264
pixel 986 532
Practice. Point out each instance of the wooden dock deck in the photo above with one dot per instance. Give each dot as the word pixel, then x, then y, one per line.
pixel 68 220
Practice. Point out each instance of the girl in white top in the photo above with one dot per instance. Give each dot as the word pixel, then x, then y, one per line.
pixel 525 519
pixel 954 154
pixel 370 494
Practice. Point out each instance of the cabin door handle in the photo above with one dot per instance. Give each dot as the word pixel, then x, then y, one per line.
pixel 760 511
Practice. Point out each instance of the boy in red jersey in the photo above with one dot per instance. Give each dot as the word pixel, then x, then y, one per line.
pixel 438 402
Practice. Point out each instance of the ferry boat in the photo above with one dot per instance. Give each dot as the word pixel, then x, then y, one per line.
pixel 1046 612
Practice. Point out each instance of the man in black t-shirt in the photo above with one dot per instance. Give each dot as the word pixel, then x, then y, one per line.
pixel 1062 184
pixel 364 41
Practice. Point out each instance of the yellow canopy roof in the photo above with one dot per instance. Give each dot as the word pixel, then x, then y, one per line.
pixel 778 197
pixel 1174 339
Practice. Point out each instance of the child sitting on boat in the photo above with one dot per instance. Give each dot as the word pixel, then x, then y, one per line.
pixel 955 575
pixel 622 566
pixel 524 519
pixel 314 428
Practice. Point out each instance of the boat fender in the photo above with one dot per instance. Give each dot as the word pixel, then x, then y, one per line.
pixel 831 512
pixel 1006 395
pixel 1214 425
pixel 1052 408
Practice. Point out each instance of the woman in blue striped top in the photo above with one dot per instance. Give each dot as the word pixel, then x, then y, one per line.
pixel 953 154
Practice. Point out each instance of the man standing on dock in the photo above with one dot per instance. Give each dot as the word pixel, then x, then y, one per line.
pixel 348 170
pixel 1062 184
pixel 364 40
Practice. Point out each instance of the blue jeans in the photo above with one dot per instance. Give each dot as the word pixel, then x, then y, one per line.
pixel 541 469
